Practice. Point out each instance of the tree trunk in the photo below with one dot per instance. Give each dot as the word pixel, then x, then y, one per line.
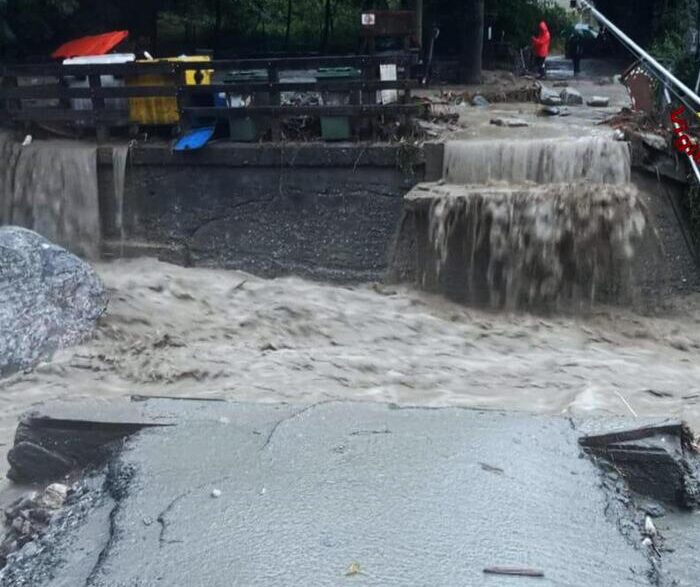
pixel 218 10
pixel 326 26
pixel 472 42
pixel 288 29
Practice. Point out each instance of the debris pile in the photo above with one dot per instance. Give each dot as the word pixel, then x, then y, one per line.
pixel 28 518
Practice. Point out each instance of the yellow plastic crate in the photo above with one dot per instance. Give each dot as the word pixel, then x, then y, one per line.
pixel 163 110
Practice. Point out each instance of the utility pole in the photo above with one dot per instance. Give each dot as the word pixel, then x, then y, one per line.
pixel 472 42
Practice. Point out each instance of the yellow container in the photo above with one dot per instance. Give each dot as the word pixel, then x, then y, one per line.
pixel 163 110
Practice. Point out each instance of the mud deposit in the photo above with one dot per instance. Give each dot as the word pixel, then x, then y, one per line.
pixel 208 333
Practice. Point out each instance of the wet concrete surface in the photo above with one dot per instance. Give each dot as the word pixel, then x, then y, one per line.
pixel 338 493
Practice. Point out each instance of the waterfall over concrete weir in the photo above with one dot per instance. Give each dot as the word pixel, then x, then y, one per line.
pixel 591 159
pixel 546 224
pixel 51 187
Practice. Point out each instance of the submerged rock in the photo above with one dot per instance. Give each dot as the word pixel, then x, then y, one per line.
pixel 549 97
pixel 479 100
pixel 598 101
pixel 49 299
pixel 510 122
pixel 571 97
pixel 550 111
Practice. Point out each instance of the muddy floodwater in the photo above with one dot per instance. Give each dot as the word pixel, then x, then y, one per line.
pixel 221 334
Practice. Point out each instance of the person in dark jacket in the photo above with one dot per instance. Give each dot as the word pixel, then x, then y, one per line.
pixel 540 49
pixel 575 50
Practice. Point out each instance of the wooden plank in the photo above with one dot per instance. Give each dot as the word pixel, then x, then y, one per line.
pixel 111 117
pixel 116 69
pixel 345 110
pixel 337 86
pixel 58 91
pixel 305 62
pixel 165 67
pixel 275 102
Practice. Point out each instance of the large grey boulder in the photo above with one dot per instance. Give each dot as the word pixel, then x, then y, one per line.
pixel 49 299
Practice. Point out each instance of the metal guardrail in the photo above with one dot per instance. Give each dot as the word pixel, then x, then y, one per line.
pixel 669 81
pixel 23 103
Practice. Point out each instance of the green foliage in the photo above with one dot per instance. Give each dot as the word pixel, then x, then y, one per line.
pixel 519 19
pixel 671 42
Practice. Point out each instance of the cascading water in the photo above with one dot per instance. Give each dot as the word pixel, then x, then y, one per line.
pixel 120 155
pixel 591 159
pixel 538 224
pixel 51 187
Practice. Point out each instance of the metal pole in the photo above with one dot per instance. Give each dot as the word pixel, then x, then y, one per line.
pixel 641 52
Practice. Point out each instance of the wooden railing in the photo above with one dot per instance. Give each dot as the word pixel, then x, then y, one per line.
pixel 40 93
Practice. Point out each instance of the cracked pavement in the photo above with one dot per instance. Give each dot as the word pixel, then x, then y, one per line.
pixel 285 494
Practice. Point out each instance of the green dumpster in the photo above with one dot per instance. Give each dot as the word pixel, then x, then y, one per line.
pixel 336 128
pixel 243 129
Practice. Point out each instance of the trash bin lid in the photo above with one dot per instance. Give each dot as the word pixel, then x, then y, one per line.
pixel 337 72
pixel 247 75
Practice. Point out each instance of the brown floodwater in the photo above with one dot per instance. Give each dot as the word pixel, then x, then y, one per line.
pixel 213 333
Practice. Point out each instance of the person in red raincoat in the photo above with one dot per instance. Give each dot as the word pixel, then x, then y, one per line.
pixel 540 48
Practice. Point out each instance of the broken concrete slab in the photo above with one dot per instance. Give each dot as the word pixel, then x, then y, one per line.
pixel 58 438
pixel 306 493
pixel 657 460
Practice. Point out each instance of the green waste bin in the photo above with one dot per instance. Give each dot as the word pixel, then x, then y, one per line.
pixel 336 128
pixel 243 129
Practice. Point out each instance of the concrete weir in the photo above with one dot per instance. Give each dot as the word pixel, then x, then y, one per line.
pixel 334 492
pixel 540 223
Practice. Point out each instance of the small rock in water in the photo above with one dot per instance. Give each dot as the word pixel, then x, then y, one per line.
pixel 598 101
pixel 479 100
pixel 215 493
pixel 54 496
pixel 571 97
pixel 654 141
pixel 510 122
pixel 550 111
pixel 549 97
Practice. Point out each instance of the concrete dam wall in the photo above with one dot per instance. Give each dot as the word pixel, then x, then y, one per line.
pixel 494 230
pixel 325 211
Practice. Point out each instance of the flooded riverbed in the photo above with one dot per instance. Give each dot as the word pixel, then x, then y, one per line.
pixel 211 333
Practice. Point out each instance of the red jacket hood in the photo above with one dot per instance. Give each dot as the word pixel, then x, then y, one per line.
pixel 543 28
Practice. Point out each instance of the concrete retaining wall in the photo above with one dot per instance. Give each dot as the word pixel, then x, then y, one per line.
pixel 323 211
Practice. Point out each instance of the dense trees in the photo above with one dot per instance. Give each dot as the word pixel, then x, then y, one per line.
pixel 35 26
pixel 32 28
